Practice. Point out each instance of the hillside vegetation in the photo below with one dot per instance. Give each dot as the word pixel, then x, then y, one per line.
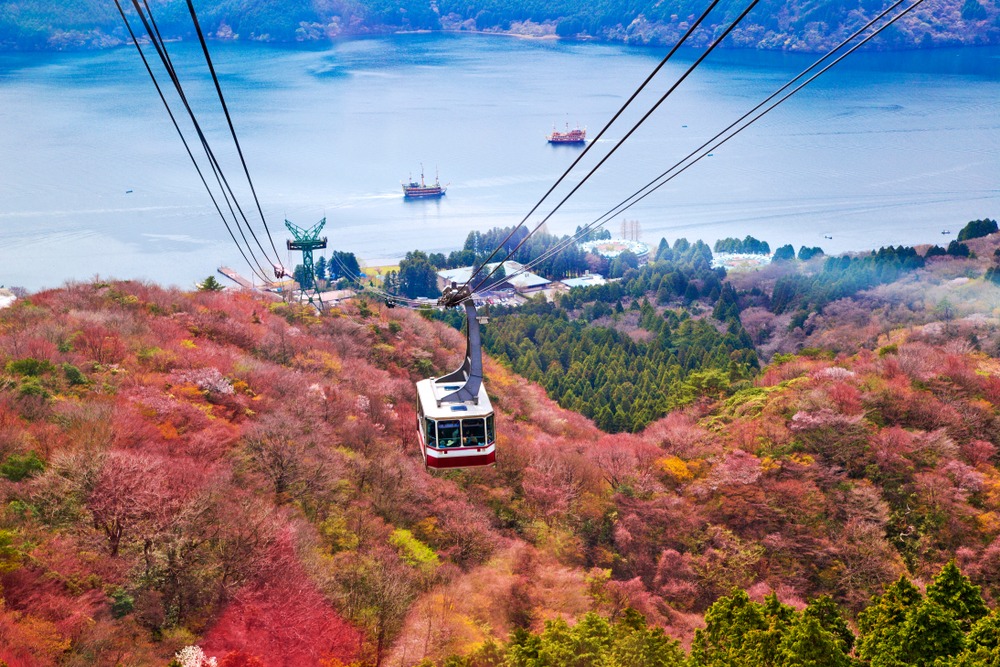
pixel 212 474
pixel 774 24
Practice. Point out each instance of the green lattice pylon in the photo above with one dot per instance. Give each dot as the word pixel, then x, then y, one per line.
pixel 307 240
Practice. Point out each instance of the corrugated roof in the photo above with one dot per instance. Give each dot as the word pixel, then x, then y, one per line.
pixel 524 280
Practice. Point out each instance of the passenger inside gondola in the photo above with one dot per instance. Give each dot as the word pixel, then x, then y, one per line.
pixel 473 432
pixel 449 433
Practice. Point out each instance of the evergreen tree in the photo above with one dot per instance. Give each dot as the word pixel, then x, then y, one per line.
pixel 302 277
pixel 726 307
pixel 805 254
pixel 728 625
pixel 977 229
pixel 930 632
pixel 881 624
pixel 584 645
pixel 524 648
pixel 953 591
pixel 210 284
pixel 808 644
pixel 637 645
pixel 827 613
pixel 986 632
pixel 973 10
pixel 784 253
pixel 935 251
pixel 982 644
pixel 763 647
pixel 956 249
pixel 663 251
pixel 343 265
pixel 417 277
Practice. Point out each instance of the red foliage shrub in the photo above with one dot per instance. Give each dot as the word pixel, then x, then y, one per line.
pixel 978 452
pixel 675 581
pixel 737 469
pixel 131 428
pixel 99 344
pixel 59 588
pixel 632 594
pixel 645 528
pixel 240 659
pixel 991 389
pixel 211 443
pixel 775 375
pixel 283 620
pixel 679 434
pixel 846 397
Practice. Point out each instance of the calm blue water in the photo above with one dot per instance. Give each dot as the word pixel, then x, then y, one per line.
pixel 887 148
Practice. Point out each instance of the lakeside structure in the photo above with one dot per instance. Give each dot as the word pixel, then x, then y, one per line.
pixel 739 261
pixel 611 249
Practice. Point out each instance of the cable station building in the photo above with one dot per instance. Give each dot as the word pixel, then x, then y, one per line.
pixel 522 283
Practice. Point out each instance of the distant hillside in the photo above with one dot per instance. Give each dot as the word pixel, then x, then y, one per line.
pixel 797 25
pixel 219 470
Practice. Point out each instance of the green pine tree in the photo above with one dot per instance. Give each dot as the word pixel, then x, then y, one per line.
pixel 210 284
pixel 881 624
pixel 982 645
pixel 808 644
pixel 955 593
pixel 729 623
pixel 637 645
pixel 929 633
pixel 827 613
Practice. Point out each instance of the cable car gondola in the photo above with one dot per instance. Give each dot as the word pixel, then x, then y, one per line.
pixel 455 422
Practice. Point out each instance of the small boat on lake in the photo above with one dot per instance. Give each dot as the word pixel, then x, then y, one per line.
pixel 414 189
pixel 576 136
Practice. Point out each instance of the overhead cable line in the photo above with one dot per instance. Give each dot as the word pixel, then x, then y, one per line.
pixel 220 178
pixel 694 26
pixel 159 44
pixel 229 120
pixel 639 195
pixel 654 185
pixel 667 176
pixel 625 138
pixel 187 147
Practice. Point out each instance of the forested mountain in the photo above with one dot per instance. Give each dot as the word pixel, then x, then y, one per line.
pixel 212 474
pixel 774 24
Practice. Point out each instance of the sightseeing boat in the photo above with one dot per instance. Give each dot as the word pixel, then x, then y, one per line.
pixel 576 136
pixel 415 189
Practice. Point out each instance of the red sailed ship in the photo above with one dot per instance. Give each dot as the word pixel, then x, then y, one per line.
pixel 576 136
pixel 414 189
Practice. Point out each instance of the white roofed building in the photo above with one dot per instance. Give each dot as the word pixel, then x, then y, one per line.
pixel 518 279
pixel 586 280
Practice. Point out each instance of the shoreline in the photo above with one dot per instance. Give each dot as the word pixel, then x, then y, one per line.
pixel 96 39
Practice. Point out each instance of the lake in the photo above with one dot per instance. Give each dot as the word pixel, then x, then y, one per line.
pixel 884 149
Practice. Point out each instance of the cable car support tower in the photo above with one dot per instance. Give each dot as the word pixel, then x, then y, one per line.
pixel 307 240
